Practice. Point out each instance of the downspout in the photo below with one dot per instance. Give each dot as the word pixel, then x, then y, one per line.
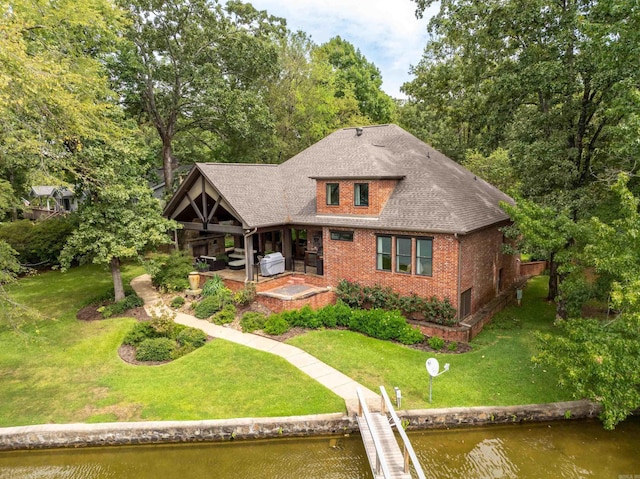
pixel 458 287
pixel 248 255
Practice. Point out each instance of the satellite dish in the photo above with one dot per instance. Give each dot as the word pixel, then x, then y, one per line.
pixel 433 367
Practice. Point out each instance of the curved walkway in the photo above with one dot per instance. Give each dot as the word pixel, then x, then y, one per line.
pixel 331 378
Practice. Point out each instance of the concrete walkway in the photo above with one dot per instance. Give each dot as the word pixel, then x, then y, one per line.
pixel 331 378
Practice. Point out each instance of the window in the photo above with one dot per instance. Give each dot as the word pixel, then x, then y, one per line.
pixel 333 194
pixel 383 253
pixel 342 235
pixel 361 194
pixel 424 256
pixel 403 255
pixel 465 304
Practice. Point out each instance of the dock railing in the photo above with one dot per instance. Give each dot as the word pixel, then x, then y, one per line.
pixel 381 464
pixel 408 451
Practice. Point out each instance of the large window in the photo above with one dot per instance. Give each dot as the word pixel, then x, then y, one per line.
pixel 333 194
pixel 403 255
pixel 383 253
pixel 361 194
pixel 424 256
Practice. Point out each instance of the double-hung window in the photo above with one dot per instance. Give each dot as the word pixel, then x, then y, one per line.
pixel 361 194
pixel 383 253
pixel 424 256
pixel 333 194
pixel 403 255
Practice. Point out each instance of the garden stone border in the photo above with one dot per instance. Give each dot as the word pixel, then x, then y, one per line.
pixel 48 436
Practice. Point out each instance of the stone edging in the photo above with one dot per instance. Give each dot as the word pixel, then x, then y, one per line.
pixel 158 432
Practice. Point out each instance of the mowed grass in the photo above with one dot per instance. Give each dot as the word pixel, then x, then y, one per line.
pixel 72 371
pixel 498 371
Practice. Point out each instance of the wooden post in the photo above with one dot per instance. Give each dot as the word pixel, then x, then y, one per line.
pixel 406 459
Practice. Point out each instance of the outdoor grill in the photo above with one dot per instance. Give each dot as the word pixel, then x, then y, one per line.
pixel 271 264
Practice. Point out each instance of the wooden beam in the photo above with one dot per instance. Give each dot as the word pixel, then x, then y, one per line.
pixel 214 209
pixel 195 207
pixel 204 201
pixel 213 228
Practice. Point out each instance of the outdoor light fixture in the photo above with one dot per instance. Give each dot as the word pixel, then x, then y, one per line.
pixel 433 368
pixel 398 397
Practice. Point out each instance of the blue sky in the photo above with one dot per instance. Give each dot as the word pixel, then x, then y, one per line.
pixel 386 31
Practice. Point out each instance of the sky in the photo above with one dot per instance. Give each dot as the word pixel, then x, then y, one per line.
pixel 386 32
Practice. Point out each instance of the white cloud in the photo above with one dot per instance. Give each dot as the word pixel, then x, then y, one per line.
pixel 386 31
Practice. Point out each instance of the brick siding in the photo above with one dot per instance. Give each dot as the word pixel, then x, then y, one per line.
pixel 316 301
pixel 379 193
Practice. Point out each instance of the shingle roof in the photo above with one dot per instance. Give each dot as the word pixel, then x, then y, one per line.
pixel 435 193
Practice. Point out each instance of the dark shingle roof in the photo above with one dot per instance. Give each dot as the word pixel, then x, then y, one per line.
pixel 435 194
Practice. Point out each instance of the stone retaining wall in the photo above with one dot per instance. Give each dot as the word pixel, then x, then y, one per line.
pixel 119 434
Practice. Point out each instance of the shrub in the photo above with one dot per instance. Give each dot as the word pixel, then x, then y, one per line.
pixel 164 325
pixel 119 307
pixel 410 335
pixel 435 343
pixel 138 333
pixel 246 295
pixel 252 321
pixel 170 272
pixel 452 346
pixel 212 304
pixel 39 241
pixel 303 318
pixel 276 325
pixel 225 316
pixel 212 286
pixel 193 337
pixel 177 302
pixel 156 349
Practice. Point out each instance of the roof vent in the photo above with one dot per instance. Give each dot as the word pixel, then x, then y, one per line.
pixel 359 131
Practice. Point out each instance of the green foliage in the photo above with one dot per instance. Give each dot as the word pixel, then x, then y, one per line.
pixel 495 168
pixel 170 272
pixel 138 333
pixel 452 346
pixel 276 324
pixel 119 307
pixel 156 349
pixel 212 286
pixel 246 295
pixel 177 302
pixel 575 292
pixel 193 337
pixel 9 265
pixel 434 310
pixel 212 304
pixel 436 343
pixel 226 315
pixel 40 241
pixel 598 360
pixel 164 326
pixel 252 321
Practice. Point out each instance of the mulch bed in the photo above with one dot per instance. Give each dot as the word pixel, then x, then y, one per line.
pixel 424 346
pixel 91 313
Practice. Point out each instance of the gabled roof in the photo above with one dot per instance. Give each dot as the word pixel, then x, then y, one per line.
pixel 434 193
pixel 42 191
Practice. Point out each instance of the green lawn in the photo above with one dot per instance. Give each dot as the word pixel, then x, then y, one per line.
pixel 72 372
pixel 498 371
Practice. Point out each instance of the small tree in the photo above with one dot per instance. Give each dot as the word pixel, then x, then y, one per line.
pixel 119 218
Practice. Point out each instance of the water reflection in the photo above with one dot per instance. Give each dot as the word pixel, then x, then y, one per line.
pixel 557 450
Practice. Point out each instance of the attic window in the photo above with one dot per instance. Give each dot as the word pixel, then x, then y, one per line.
pixel 342 235
pixel 361 194
pixel 333 194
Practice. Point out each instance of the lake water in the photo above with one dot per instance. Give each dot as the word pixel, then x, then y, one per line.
pixel 568 449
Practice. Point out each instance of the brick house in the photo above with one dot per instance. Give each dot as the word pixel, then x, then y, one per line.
pixel 373 205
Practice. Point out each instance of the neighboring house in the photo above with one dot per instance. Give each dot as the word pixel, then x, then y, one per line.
pixel 54 199
pixel 373 205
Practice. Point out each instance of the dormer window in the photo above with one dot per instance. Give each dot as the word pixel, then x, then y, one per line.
pixel 361 194
pixel 333 194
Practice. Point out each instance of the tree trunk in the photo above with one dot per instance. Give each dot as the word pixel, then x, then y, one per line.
pixel 118 288
pixel 553 278
pixel 167 164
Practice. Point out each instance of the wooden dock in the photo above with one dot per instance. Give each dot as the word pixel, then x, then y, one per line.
pixel 386 458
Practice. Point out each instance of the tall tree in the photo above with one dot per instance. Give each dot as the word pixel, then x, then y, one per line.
pixel 198 66
pixel 355 73
pixel 555 83
pixel 53 85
